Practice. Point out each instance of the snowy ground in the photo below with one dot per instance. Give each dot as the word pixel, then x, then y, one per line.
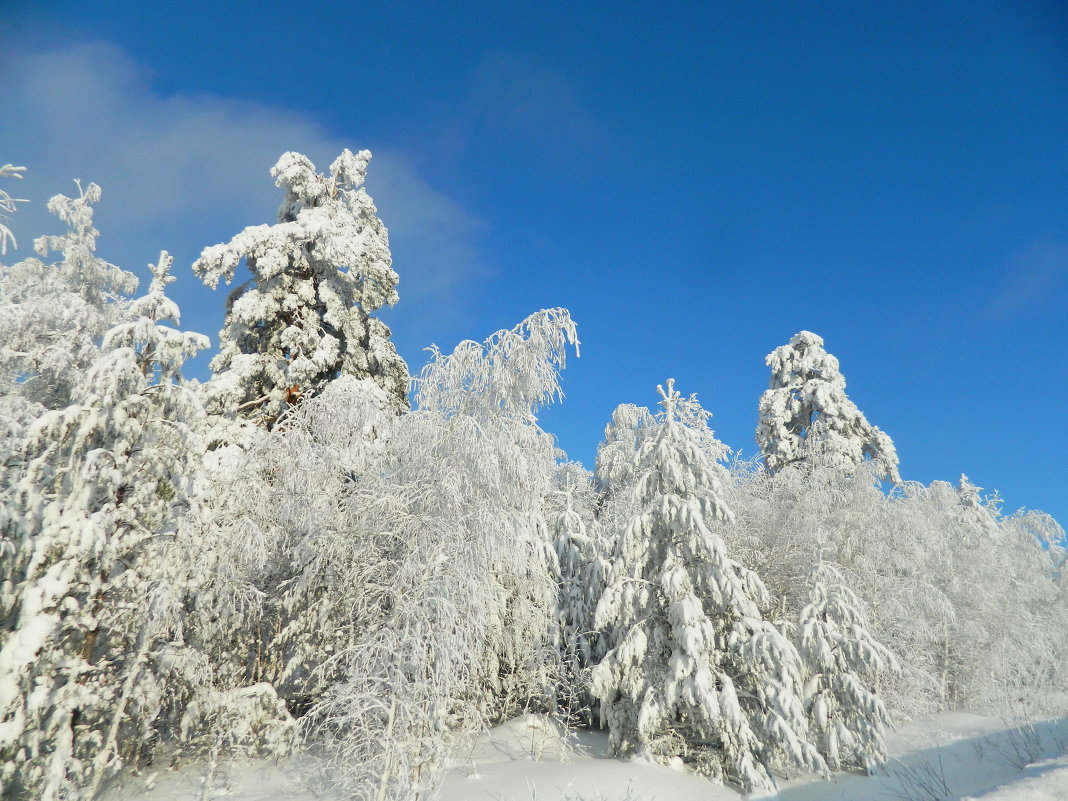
pixel 951 757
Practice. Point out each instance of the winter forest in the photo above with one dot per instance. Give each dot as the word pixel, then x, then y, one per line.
pixel 323 549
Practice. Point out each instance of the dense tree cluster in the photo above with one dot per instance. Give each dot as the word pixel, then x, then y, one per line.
pixel 294 551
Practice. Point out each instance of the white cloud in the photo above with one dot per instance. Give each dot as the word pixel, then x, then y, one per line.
pixel 1035 272
pixel 185 171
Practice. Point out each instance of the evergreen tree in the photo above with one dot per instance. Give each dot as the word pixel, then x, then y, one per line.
pixel 52 316
pixel 92 581
pixel 842 660
pixel 694 669
pixel 806 415
pixel 304 318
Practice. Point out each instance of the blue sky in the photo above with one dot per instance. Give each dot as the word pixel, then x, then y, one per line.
pixel 696 182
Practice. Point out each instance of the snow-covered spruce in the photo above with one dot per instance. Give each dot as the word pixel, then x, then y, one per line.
pixel 305 316
pixel 805 413
pixel 52 316
pixel 92 600
pixel 842 661
pixel 694 670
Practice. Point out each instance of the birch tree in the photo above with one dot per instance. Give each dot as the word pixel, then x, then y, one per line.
pixel 8 206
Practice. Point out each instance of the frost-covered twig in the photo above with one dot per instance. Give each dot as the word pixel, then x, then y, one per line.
pixel 7 206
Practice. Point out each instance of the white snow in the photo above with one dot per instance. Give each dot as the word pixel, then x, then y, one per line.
pixel 1044 781
pixel 949 757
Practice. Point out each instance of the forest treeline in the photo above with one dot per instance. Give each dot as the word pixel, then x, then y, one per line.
pixel 314 547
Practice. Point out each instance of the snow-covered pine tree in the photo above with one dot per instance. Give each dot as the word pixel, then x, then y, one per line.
pixel 91 603
pixel 694 670
pixel 805 413
pixel 302 323
pixel 304 318
pixel 52 316
pixel 843 661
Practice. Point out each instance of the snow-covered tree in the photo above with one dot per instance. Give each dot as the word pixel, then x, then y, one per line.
pixel 617 455
pixel 52 316
pixel 304 318
pixel 583 567
pixel 933 566
pixel 805 413
pixel 694 670
pixel 7 206
pixel 274 532
pixel 842 661
pixel 618 470
pixel 789 520
pixel 456 624
pixel 487 395
pixel 91 601
pixel 999 645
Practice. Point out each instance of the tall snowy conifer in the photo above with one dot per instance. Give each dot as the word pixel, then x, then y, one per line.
pixel 694 670
pixel 806 415
pixel 305 316
pixel 91 586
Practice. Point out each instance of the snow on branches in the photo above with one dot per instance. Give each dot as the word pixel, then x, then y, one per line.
pixel 93 577
pixel 289 549
pixel 694 671
pixel 52 316
pixel 304 318
pixel 448 560
pixel 7 207
pixel 843 660
pixel 805 414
